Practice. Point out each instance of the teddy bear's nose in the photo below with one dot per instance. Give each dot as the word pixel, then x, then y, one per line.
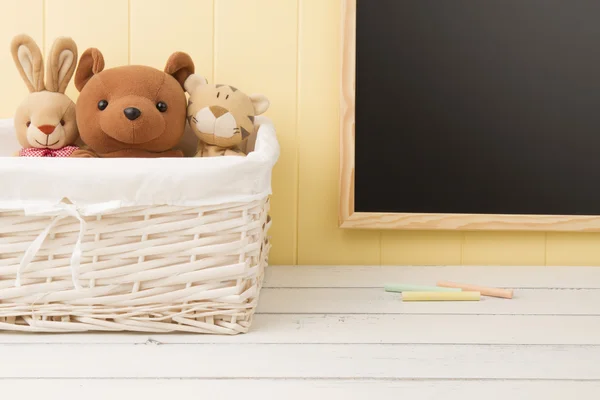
pixel 132 113
pixel 47 129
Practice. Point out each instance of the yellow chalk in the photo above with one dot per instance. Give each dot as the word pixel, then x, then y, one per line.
pixel 441 296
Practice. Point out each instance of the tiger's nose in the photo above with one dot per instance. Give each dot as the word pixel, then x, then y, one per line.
pixel 218 111
pixel 46 129
pixel 132 113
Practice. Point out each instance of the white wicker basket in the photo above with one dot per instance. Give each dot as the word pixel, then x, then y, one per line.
pixel 157 262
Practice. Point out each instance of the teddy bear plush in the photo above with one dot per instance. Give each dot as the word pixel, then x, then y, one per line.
pixel 133 110
pixel 221 116
pixel 45 121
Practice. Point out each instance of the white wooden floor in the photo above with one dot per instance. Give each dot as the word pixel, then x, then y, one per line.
pixel 333 332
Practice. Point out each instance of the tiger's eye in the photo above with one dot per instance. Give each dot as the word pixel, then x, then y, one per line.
pixel 28 123
pixel 102 104
pixel 161 106
pixel 62 122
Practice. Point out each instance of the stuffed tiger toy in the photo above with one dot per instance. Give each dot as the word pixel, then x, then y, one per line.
pixel 221 116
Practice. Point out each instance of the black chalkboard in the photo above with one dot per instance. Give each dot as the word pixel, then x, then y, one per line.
pixel 478 106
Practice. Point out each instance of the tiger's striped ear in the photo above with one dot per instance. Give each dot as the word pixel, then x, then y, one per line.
pixel 193 82
pixel 260 102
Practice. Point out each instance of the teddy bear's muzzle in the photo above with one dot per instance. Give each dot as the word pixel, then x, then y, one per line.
pixel 132 120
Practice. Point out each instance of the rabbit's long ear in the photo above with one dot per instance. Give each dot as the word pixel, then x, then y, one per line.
pixel 29 62
pixel 62 61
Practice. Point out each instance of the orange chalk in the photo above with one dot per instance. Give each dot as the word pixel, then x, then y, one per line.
pixel 486 291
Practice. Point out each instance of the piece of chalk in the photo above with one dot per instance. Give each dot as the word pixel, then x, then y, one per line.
pixel 403 287
pixel 486 291
pixel 441 296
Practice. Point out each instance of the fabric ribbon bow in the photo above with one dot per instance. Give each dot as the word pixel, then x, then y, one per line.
pixel 61 211
pixel 36 152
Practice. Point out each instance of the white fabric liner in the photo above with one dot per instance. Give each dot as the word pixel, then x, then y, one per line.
pixel 96 185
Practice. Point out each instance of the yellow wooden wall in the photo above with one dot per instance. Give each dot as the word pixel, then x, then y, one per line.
pixel 289 50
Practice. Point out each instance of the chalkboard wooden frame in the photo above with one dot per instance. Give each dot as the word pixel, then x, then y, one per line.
pixel 348 218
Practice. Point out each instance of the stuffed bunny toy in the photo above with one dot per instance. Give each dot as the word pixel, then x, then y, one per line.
pixel 221 116
pixel 45 121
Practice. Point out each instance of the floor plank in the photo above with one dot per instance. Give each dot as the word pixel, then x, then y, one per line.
pixel 367 329
pixel 335 333
pixel 307 361
pixel 150 389
pixel 377 301
pixel 378 276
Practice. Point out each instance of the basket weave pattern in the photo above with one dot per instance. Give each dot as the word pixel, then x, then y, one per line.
pixel 144 269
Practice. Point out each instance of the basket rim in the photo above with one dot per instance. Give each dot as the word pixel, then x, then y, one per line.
pixel 125 182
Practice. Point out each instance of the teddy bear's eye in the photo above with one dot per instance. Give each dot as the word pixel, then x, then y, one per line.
pixel 102 104
pixel 28 123
pixel 162 107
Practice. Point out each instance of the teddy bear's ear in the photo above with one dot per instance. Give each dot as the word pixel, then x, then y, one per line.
pixel 180 66
pixel 260 102
pixel 193 82
pixel 90 64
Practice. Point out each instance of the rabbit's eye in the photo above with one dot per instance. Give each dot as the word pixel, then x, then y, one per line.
pixel 62 122
pixel 102 104
pixel 28 123
pixel 162 107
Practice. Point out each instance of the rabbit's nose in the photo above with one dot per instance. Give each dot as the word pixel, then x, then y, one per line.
pixel 47 129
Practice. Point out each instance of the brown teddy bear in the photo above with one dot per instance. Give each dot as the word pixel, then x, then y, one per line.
pixel 133 110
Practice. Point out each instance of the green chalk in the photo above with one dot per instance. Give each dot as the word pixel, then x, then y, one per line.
pixel 418 288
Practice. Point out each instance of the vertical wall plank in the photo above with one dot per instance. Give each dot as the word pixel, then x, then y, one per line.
pixel 489 248
pixel 581 249
pixel 256 51
pixel 158 28
pixel 16 16
pixel 421 248
pixel 103 24
pixel 320 241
